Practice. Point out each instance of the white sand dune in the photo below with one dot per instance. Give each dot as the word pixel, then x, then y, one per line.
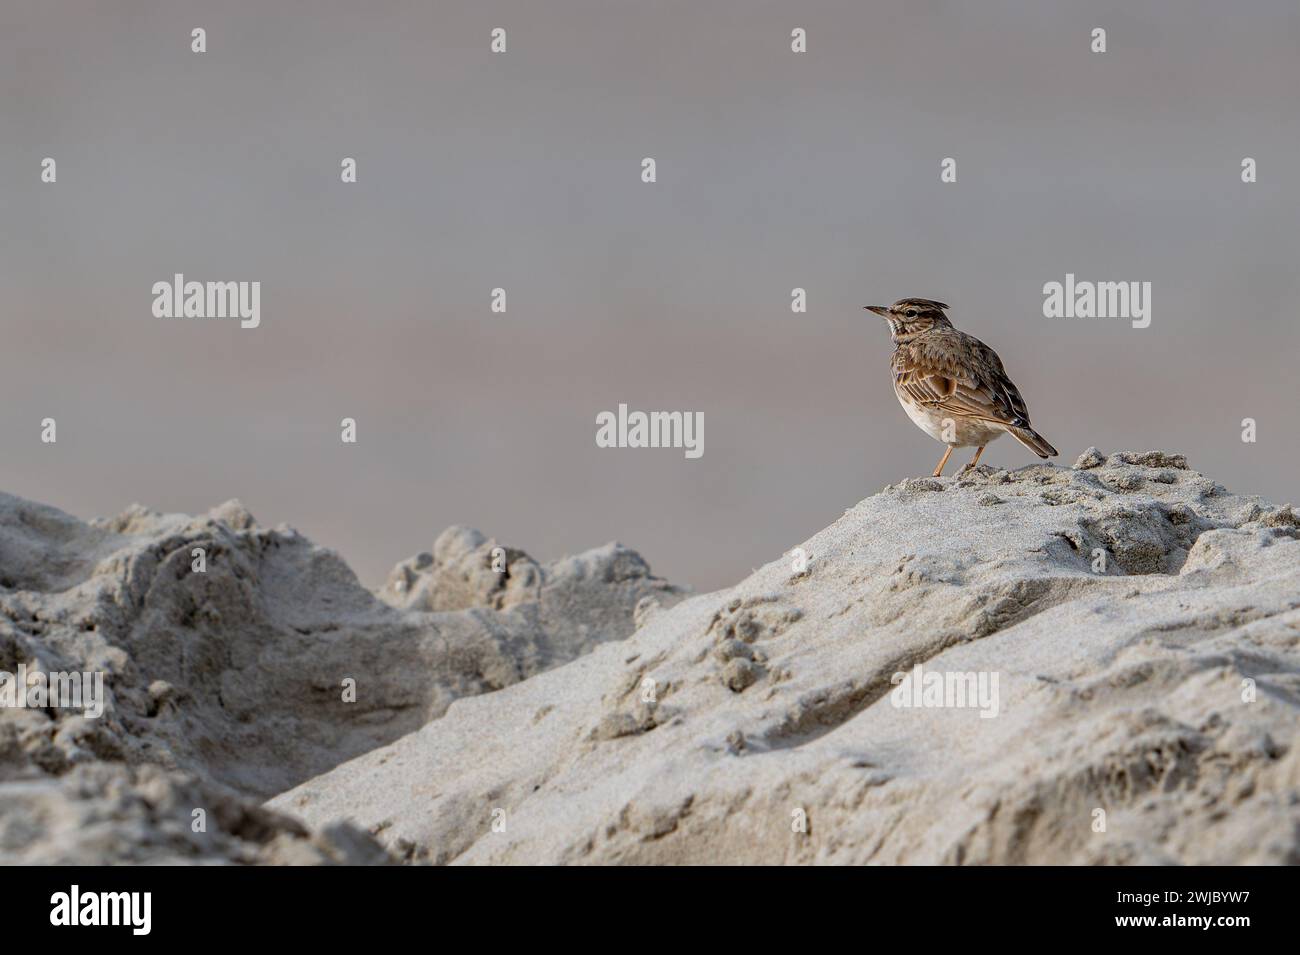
pixel 583 712
pixel 227 686
pixel 1121 698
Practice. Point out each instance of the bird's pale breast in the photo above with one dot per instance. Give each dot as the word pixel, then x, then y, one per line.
pixel 965 432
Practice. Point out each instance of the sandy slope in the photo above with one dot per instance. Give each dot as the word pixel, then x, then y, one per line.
pixel 1124 697
pixel 226 686
pixel 578 712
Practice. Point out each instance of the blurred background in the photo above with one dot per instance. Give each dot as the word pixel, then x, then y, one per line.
pixel 775 170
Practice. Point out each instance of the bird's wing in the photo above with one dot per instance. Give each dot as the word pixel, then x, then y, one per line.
pixel 958 375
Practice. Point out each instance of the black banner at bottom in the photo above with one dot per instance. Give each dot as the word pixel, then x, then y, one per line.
pixel 174 905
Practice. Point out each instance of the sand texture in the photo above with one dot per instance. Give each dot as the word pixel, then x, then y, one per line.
pixel 585 711
pixel 1120 691
pixel 226 687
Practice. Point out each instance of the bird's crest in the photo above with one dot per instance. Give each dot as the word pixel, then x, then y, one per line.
pixel 925 304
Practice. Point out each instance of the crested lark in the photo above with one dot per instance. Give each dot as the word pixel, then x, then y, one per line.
pixel 951 384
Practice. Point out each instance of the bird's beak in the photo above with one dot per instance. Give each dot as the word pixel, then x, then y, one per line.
pixel 881 310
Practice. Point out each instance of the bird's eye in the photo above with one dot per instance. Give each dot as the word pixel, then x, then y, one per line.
pixel 910 313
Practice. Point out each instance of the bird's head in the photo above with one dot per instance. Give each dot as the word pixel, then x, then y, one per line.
pixel 911 316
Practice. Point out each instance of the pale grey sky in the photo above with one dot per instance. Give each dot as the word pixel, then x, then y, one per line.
pixel 522 170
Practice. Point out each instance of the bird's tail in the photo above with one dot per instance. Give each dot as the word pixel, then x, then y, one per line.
pixel 1033 441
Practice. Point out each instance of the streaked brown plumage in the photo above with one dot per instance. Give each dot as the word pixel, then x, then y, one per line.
pixel 951 384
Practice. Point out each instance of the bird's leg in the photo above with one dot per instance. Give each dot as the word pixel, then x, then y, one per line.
pixel 938 471
pixel 976 459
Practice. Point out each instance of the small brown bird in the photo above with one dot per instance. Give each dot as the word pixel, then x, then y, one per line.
pixel 951 384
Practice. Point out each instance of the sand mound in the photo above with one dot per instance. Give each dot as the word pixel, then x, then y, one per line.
pixel 1117 648
pixel 229 682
